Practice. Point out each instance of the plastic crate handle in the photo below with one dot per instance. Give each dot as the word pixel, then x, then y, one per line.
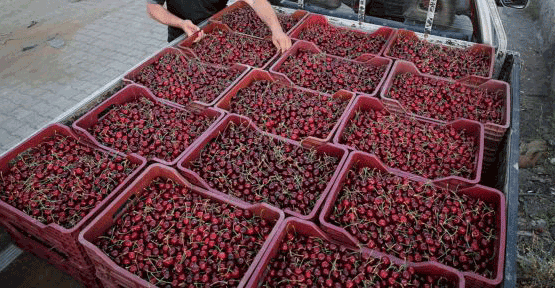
pixel 130 201
pixel 106 111
pixel 40 241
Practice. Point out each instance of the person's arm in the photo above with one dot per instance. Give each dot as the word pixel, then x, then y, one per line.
pixel 162 15
pixel 265 11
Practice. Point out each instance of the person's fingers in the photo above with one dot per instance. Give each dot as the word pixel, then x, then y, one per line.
pixel 276 43
pixel 199 36
pixel 282 46
pixel 288 43
pixel 285 44
pixel 282 42
pixel 191 29
pixel 188 30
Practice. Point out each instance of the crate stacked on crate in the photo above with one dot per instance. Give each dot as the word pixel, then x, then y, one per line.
pixel 418 221
pixel 341 41
pixel 27 242
pixel 441 60
pixel 222 46
pixel 303 255
pixel 238 160
pixel 181 80
pixel 449 154
pixel 133 121
pixel 241 17
pixel 53 184
pixel 279 108
pixel 163 231
pixel 305 65
pixel 442 100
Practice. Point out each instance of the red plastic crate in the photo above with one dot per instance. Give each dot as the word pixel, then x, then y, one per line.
pixel 53 235
pixel 84 274
pixel 476 47
pixel 491 130
pixel 488 195
pixel 472 127
pixel 208 29
pixel 109 272
pixel 368 60
pixel 184 164
pixel 298 15
pixel 490 152
pixel 310 229
pixel 311 19
pixel 128 94
pixel 260 75
pixel 129 76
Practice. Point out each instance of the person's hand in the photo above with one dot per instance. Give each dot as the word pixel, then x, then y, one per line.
pixel 281 40
pixel 190 29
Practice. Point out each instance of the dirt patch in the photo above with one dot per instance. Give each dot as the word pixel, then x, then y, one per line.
pixel 38 64
pixel 531 153
pixel 537 261
pixel 536 228
pixel 536 258
pixel 533 9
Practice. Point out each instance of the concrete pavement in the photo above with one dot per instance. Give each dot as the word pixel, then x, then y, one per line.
pixel 97 53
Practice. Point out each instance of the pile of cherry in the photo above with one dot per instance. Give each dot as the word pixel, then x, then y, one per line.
pixel 313 262
pixel 323 73
pixel 425 149
pixel 417 221
pixel 440 60
pixel 174 78
pixel 226 48
pixel 149 129
pixel 286 111
pixel 245 20
pixel 60 180
pixel 447 101
pixel 256 168
pixel 173 237
pixel 342 42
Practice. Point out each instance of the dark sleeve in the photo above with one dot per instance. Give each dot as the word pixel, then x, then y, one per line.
pixel 161 2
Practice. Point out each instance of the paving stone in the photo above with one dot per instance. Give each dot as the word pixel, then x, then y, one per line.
pixel 48 96
pixel 23 88
pixel 95 50
pixel 120 67
pixel 94 33
pixel 36 91
pixel 67 92
pixel 7 106
pixel 82 95
pixel 11 124
pixel 24 131
pixel 21 99
pixel 53 86
pixel 36 121
pixel 7 141
pixel 3 118
pixel 82 38
pixel 22 113
pixel 62 103
pixel 46 110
